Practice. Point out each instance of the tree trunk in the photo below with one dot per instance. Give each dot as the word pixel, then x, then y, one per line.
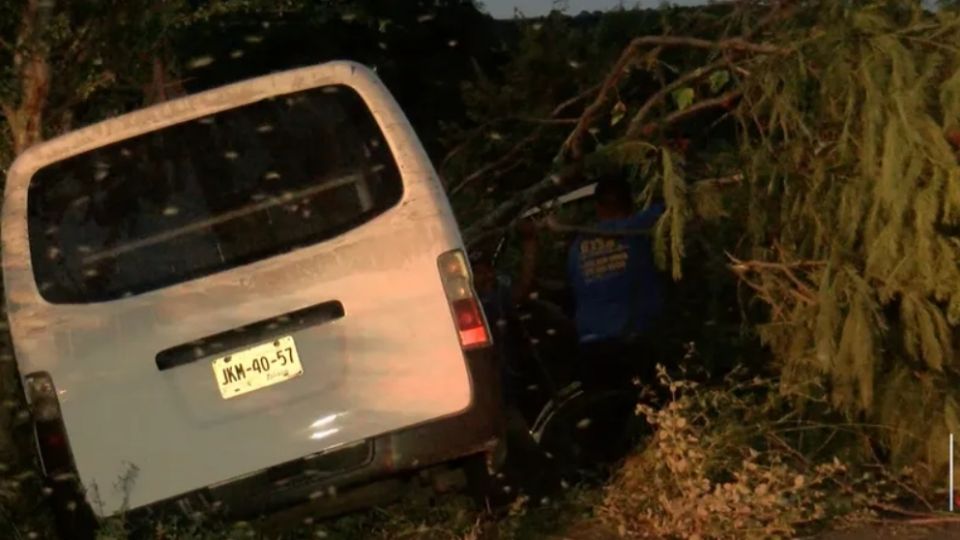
pixel 162 87
pixel 30 61
pixel 25 120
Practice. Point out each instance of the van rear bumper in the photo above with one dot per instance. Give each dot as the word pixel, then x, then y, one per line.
pixel 476 430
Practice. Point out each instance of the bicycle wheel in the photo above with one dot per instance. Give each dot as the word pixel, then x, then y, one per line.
pixel 588 431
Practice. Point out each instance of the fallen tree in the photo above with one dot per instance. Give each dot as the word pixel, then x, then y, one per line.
pixel 844 120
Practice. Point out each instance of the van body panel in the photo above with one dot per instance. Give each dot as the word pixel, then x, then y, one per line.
pixel 392 361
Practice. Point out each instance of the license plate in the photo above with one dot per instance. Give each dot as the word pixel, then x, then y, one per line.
pixel 257 367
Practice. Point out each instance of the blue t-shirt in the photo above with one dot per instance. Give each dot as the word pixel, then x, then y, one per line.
pixel 615 281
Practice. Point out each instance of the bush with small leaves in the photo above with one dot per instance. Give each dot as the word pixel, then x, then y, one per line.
pixel 719 465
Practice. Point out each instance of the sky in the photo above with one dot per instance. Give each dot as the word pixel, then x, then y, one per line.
pixel 503 9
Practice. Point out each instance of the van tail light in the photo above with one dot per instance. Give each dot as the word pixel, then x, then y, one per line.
pixel 52 439
pixel 464 305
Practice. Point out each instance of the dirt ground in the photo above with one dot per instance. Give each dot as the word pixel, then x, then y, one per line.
pixel 897 532
pixel 591 531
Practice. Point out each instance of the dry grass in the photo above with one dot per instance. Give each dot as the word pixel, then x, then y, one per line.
pixel 721 463
pixel 724 463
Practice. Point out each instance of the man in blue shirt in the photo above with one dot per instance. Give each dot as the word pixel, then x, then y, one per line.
pixel 617 288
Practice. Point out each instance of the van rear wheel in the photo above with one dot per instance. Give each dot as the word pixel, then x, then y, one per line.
pixel 522 468
pixel 481 480
pixel 592 431
pixel 73 517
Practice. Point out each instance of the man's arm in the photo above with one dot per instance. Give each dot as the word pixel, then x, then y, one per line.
pixel 573 270
pixel 648 217
pixel 528 261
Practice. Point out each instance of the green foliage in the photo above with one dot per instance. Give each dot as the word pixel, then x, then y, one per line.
pixel 106 57
pixel 549 62
pixel 735 462
pixel 418 516
pixel 719 79
pixel 421 49
pixel 684 97
pixel 842 221
pixel 668 234
pixel 841 227
pixel 850 172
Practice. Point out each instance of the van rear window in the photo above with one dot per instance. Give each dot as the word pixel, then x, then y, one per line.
pixel 204 196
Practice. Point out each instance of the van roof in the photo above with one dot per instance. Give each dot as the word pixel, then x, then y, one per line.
pixel 188 108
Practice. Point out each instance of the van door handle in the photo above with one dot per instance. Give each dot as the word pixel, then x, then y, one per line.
pixel 249 335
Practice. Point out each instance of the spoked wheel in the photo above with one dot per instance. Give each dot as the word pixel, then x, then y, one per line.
pixel 587 431
pixel 578 430
pixel 525 469
pixel 73 517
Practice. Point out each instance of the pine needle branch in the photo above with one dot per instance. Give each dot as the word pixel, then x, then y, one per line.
pixel 657 98
pixel 573 144
pixel 723 100
pixel 509 156
pixel 514 152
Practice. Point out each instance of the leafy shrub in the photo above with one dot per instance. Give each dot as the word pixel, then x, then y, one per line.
pixel 723 463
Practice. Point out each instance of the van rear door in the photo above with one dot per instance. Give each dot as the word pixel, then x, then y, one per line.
pixel 233 280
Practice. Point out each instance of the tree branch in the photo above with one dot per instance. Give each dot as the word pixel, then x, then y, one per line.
pixel 537 192
pixel 551 224
pixel 740 265
pixel 800 290
pixel 573 144
pixel 700 106
pixel 520 145
pixel 78 43
pixel 31 64
pixel 467 139
pixel 613 78
pixel 733 44
pixel 506 158
pixel 659 96
pixel 550 121
pixel 452 153
pixel 575 99
pixel 555 226
pixel 540 192
pixel 722 181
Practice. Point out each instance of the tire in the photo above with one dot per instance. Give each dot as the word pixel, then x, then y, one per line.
pixel 524 469
pixel 72 515
pixel 481 484
pixel 588 431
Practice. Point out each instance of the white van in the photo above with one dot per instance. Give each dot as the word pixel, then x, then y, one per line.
pixel 244 299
